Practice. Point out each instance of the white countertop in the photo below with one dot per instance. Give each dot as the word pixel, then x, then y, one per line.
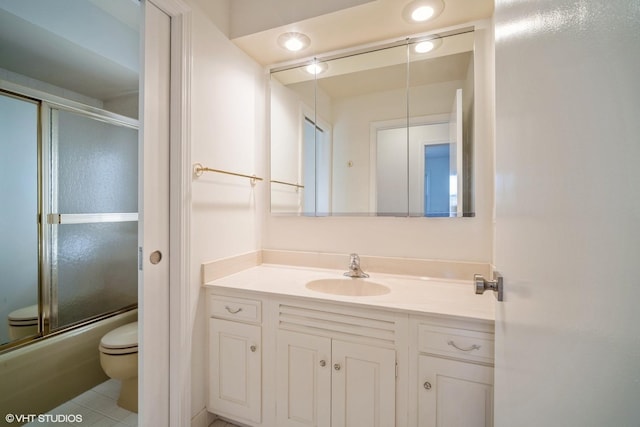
pixel 408 293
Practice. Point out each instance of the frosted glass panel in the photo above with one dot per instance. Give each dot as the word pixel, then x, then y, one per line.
pixel 97 165
pixel 94 171
pixel 19 213
pixel 96 269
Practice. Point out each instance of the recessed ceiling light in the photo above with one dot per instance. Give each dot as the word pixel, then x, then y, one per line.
pixel 316 68
pixel 422 10
pixel 422 13
pixel 424 47
pixel 293 41
pixel 427 45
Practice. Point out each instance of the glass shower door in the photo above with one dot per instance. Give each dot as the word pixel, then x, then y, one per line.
pixel 18 217
pixel 93 214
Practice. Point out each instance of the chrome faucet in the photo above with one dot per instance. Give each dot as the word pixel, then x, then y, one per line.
pixel 354 268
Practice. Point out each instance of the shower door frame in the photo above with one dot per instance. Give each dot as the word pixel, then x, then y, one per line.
pixel 47 303
pixel 51 219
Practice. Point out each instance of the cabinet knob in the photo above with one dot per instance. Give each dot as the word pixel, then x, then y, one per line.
pixel 323 363
pixel 337 366
pixel 427 385
pixel 253 348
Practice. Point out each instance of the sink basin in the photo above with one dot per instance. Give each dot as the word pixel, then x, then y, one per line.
pixel 348 287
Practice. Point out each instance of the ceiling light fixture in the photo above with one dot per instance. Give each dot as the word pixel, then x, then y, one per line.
pixel 293 41
pixel 422 10
pixel 427 46
pixel 424 47
pixel 317 68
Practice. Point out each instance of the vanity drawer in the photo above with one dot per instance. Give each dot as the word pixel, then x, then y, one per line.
pixel 456 343
pixel 232 308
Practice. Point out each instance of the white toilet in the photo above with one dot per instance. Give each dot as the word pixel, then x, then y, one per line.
pixel 119 360
pixel 23 322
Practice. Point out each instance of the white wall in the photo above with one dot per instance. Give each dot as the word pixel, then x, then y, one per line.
pixel 352 118
pixel 286 115
pixel 227 132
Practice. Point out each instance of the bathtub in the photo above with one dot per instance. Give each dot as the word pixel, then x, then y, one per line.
pixel 42 375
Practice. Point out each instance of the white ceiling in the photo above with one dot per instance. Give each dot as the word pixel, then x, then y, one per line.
pixel 386 69
pixel 89 47
pixel 252 16
pixel 370 22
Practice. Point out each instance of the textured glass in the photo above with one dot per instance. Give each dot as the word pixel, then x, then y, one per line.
pixel 19 213
pixel 97 166
pixel 96 269
pixel 95 170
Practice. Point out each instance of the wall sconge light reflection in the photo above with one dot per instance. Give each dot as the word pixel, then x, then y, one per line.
pixel 427 46
pixel 317 68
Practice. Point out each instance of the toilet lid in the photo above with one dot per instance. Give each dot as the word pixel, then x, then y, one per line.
pixel 122 340
pixel 25 316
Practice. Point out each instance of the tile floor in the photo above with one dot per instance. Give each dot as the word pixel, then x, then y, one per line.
pixel 98 409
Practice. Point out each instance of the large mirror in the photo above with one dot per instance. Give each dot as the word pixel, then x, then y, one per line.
pixel 387 132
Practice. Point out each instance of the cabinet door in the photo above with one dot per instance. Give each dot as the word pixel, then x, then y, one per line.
pixel 454 394
pixel 363 385
pixel 235 369
pixel 304 380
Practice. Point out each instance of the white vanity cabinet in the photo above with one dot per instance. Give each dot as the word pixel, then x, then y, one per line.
pixel 235 358
pixel 328 382
pixel 336 365
pixel 303 376
pixel 295 361
pixel 455 374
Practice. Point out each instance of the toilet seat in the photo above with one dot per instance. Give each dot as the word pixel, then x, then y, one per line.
pixel 122 340
pixel 26 316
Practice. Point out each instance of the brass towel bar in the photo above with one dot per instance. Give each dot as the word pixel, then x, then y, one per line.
pixel 198 170
pixel 288 183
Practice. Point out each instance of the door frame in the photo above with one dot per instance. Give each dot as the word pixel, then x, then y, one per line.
pixel 178 309
pixel 375 127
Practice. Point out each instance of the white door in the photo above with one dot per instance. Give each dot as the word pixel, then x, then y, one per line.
pixel 235 369
pixel 568 213
pixel 454 394
pixel 363 385
pixel 304 380
pixel 153 295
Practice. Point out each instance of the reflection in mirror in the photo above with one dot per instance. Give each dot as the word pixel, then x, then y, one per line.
pixel 386 138
pixel 440 135
pixel 293 142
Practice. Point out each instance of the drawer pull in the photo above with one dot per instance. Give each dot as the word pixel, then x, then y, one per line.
pixel 473 347
pixel 238 310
